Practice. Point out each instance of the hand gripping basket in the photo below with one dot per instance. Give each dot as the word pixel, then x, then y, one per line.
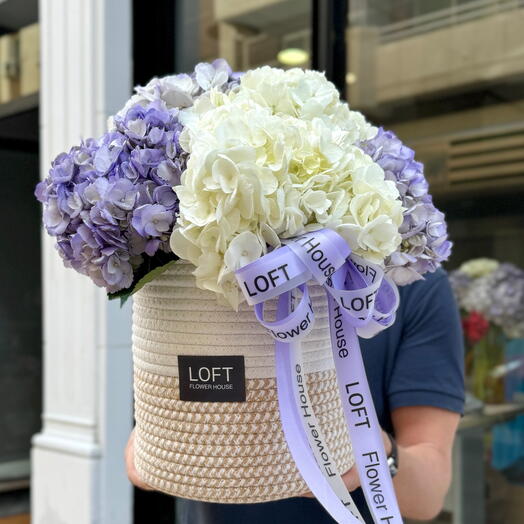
pixel 221 451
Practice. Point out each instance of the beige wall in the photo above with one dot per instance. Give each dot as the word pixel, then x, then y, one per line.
pixel 476 52
pixel 476 150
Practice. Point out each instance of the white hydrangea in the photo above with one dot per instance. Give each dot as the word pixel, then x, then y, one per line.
pixel 266 163
pixel 305 95
pixel 479 267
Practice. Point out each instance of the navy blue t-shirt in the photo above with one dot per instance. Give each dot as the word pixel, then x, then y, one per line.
pixel 416 362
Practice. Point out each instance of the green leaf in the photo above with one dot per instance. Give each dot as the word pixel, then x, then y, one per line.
pixel 151 268
pixel 152 275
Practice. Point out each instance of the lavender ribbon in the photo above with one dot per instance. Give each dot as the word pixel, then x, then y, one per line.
pixel 360 300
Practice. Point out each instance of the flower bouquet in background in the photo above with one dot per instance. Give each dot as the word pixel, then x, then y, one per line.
pixel 491 298
pixel 214 192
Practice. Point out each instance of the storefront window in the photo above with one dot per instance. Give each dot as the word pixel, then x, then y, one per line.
pixel 252 34
pixel 20 293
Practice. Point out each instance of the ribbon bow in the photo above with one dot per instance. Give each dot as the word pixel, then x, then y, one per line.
pixel 360 300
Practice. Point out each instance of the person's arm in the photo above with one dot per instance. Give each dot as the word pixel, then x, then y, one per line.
pixel 425 393
pixel 424 436
pixel 425 440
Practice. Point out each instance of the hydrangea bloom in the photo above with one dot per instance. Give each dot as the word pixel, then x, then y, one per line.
pixel 180 91
pixel 109 201
pixel 479 267
pixel 96 194
pixel 305 95
pixel 498 295
pixel 264 163
pixel 425 241
pixel 460 283
pixel 506 307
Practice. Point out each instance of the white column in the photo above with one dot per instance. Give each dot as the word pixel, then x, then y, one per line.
pixel 77 459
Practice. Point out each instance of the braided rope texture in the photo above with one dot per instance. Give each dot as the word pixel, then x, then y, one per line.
pixel 227 452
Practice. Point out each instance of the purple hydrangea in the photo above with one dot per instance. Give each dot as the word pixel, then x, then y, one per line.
pixel 505 287
pixel 499 296
pixel 93 193
pixel 181 90
pixel 109 201
pixel 425 243
pixel 460 284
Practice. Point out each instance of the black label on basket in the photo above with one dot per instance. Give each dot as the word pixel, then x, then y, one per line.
pixel 212 379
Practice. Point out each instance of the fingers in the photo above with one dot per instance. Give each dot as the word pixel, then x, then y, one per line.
pixel 350 478
pixel 129 456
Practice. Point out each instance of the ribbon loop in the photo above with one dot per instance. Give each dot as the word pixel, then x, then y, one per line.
pixel 271 275
pixel 322 252
pixel 353 295
pixel 294 326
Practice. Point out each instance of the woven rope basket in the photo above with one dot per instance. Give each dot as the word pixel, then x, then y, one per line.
pixel 221 451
